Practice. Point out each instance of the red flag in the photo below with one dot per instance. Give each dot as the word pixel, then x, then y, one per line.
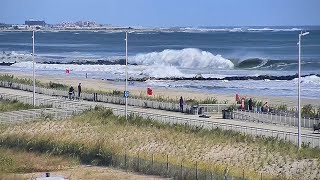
pixel 149 91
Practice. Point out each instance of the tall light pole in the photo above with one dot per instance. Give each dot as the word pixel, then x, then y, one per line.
pixel 34 79
pixel 126 88
pixel 299 89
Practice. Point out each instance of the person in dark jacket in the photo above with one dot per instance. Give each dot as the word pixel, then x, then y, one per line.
pixel 71 92
pixel 79 90
pixel 250 104
pixel 181 104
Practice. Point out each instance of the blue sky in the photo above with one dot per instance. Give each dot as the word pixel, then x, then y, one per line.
pixel 165 13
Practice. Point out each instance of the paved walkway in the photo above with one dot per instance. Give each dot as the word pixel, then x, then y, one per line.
pixel 216 118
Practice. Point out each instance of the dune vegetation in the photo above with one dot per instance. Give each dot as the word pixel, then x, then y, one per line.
pixel 14 105
pixel 97 137
pixel 19 161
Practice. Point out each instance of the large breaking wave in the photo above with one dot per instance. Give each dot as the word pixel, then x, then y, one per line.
pixel 185 58
pixel 269 64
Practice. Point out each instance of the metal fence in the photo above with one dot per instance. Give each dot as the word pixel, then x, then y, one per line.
pixel 272 118
pixel 166 169
pixel 61 109
pixel 33 114
pixel 43 101
pixel 212 108
pixel 169 106
pixel 312 140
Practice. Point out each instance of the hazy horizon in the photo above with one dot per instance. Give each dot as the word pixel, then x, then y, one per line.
pixel 166 13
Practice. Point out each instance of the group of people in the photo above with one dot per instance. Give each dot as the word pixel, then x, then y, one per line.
pixel 72 94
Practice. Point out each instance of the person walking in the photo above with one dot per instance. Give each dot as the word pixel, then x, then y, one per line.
pixel 250 104
pixel 79 90
pixel 71 92
pixel 181 104
pixel 265 107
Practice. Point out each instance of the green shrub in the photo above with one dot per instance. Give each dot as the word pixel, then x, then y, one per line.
pixel 282 107
pixel 57 86
pixel 308 111
pixel 209 100
pixel 116 92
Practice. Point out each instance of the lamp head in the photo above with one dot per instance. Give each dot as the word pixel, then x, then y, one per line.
pixel 305 33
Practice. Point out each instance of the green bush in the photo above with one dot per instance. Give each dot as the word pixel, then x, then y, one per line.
pixel 14 105
pixel 308 111
pixel 209 100
pixel 57 86
pixel 282 107
pixel 116 92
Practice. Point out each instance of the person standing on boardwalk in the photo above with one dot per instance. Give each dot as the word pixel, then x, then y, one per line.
pixel 79 90
pixel 266 107
pixel 181 104
pixel 250 104
pixel 71 92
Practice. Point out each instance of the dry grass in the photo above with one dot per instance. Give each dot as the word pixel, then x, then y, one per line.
pixel 14 161
pixel 6 105
pixel 17 165
pixel 212 151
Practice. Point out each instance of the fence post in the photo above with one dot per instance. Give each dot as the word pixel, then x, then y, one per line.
pixel 125 161
pixel 152 163
pixel 242 173
pixel 226 171
pixel 138 161
pixel 181 170
pixel 167 163
pixel 196 170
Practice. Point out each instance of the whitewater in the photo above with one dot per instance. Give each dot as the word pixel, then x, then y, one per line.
pixel 204 52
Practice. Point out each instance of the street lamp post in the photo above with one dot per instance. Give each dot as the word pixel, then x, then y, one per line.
pixel 34 82
pixel 299 89
pixel 126 86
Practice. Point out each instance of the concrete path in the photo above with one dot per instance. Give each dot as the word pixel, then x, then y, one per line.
pixel 289 133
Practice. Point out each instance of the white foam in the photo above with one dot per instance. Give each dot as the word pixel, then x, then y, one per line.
pixel 114 71
pixel 185 58
pixel 272 30
pixel 162 72
pixel 313 79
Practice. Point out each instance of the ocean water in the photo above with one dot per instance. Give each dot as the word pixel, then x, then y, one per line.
pixel 211 52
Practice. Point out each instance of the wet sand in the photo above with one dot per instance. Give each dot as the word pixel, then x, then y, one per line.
pixel 104 85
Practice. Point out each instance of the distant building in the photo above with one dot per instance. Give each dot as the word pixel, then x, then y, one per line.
pixel 85 23
pixel 32 22
pixel 19 27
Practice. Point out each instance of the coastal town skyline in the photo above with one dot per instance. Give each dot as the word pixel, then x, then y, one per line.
pixel 165 13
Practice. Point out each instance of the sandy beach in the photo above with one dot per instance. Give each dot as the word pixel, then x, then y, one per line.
pixel 84 172
pixel 104 85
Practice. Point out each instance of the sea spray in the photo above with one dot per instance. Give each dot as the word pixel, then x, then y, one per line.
pixel 185 58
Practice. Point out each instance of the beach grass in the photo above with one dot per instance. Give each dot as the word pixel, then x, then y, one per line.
pixel 28 81
pixel 20 161
pixel 100 132
pixel 14 105
pixel 159 98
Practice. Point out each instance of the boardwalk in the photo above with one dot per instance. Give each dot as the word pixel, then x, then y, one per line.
pixel 253 128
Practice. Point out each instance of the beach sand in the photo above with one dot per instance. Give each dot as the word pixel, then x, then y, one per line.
pixel 85 172
pixel 104 85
